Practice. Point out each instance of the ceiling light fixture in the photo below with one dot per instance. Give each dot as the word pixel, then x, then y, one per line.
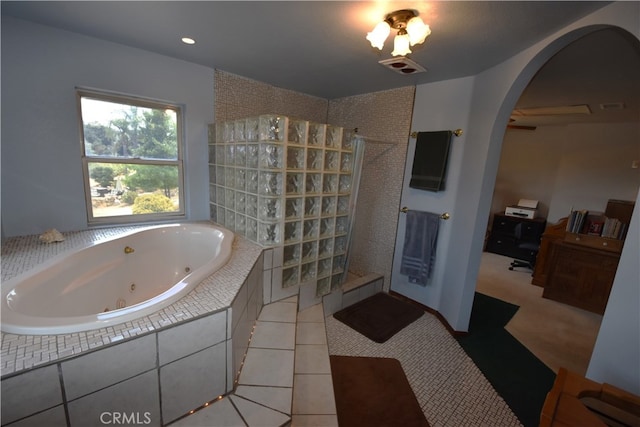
pixel 188 40
pixel 411 31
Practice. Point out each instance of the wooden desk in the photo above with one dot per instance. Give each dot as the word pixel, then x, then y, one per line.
pixel 576 269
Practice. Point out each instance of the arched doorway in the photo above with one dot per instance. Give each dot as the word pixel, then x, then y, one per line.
pixel 542 161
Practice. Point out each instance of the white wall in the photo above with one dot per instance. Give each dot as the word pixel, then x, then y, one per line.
pixel 495 93
pixel 595 166
pixel 528 167
pixel 579 165
pixel 42 184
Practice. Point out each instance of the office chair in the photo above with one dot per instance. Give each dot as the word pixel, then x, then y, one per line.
pixel 532 247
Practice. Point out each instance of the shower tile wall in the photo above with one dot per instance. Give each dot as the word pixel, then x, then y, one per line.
pixel 286 183
pixel 238 97
pixel 384 116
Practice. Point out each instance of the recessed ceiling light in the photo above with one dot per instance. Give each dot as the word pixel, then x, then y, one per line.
pixel 188 40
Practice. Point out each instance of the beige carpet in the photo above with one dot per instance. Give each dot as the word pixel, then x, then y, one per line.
pixel 558 334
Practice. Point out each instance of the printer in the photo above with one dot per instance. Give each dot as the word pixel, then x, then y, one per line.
pixel 524 209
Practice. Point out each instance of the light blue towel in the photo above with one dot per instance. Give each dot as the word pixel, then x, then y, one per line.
pixel 419 250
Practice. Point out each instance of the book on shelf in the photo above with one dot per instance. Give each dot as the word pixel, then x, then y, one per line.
pixel 576 221
pixel 581 222
pixel 614 229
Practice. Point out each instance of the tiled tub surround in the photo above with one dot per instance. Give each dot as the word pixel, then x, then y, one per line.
pixel 110 282
pixel 157 367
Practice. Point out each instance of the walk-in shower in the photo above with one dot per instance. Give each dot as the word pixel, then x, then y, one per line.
pixel 289 183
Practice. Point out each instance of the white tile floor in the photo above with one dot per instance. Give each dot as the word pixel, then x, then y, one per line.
pixel 285 378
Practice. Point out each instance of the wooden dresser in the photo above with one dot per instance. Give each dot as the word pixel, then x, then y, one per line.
pixel 576 269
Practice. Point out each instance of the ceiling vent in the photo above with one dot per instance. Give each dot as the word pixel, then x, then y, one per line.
pixel 402 65
pixel 551 111
pixel 612 106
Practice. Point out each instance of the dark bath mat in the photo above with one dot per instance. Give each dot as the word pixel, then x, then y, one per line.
pixel 374 392
pixel 379 317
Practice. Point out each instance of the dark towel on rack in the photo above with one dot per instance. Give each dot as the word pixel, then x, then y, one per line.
pixel 429 169
pixel 419 250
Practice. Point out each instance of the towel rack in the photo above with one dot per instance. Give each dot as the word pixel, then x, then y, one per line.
pixel 444 216
pixel 372 140
pixel 456 132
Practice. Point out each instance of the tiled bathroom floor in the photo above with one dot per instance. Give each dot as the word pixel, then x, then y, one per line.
pixel 285 378
pixel 286 375
pixel 450 388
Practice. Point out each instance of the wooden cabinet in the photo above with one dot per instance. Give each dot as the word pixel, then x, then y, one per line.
pixel 576 269
pixel 581 275
pixel 611 245
pixel 510 235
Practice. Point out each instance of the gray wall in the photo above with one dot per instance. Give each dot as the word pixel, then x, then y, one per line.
pixel 439 106
pixel 493 97
pixel 42 184
pixel 44 67
pixel 616 355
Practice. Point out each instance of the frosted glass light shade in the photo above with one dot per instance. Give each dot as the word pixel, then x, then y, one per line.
pixel 418 31
pixel 379 35
pixel 401 45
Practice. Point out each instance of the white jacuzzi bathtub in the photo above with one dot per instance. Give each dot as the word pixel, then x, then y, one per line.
pixel 101 285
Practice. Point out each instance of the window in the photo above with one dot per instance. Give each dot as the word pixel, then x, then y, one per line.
pixel 132 158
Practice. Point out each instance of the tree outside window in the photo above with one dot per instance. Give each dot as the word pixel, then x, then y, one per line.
pixel 132 158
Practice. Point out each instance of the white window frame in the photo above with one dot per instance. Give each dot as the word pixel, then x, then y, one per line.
pixel 87 159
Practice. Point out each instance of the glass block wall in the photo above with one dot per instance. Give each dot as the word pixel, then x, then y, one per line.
pixel 285 182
